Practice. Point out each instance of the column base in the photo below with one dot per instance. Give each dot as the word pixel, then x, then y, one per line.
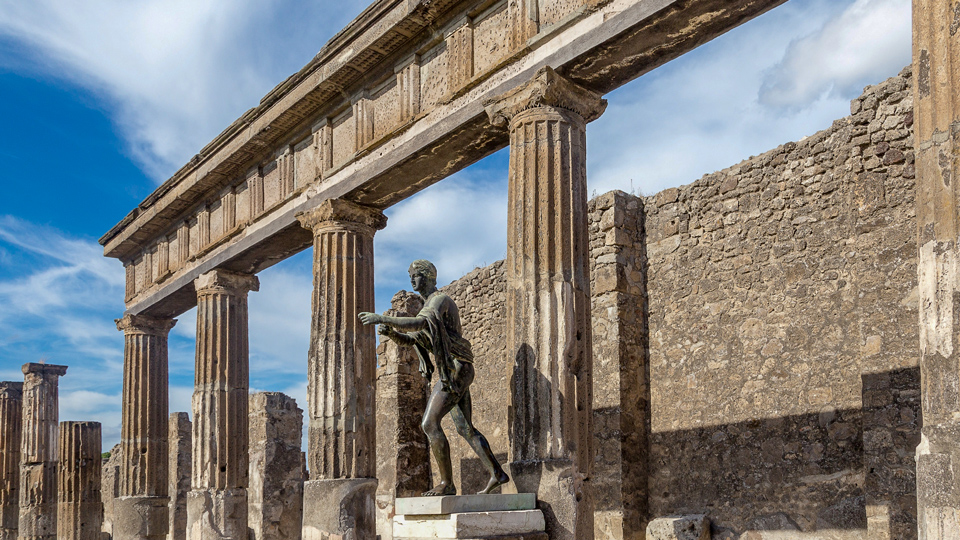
pixel 79 521
pixel 140 518
pixel 343 507
pixel 562 495
pixel 9 521
pixel 217 514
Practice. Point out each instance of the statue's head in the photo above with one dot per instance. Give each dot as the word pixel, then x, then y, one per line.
pixel 424 268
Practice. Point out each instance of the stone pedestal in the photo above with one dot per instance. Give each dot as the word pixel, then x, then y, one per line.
pixel 548 296
pixel 472 516
pixel 79 510
pixel 217 506
pixel 275 494
pixel 180 435
pixel 143 430
pixel 936 123
pixel 11 409
pixel 341 369
pixel 38 451
pixel 403 454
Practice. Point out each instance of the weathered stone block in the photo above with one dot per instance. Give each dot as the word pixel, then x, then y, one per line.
pixel 140 517
pixel 275 494
pixel 693 527
pixel 217 514
pixel 344 507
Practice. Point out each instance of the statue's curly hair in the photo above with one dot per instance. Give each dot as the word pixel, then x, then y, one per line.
pixel 424 268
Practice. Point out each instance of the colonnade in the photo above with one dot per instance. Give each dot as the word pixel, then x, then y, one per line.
pixel 549 308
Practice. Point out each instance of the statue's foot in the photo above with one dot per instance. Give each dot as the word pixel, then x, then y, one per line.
pixel 497 480
pixel 440 490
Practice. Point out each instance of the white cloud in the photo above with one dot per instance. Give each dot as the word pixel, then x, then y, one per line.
pixel 176 72
pixel 703 112
pixel 867 43
pixel 458 224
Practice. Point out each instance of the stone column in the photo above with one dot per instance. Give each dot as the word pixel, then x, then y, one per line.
pixel 181 452
pixel 403 454
pixel 339 498
pixel 548 296
pixel 38 452
pixel 217 505
pixel 275 495
pixel 936 45
pixel 140 511
pixel 11 409
pixel 79 510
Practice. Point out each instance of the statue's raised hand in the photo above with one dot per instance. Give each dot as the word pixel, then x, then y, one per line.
pixel 370 318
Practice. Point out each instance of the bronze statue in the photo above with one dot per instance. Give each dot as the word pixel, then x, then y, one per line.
pixel 436 329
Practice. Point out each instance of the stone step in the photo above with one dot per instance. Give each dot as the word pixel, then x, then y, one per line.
pixel 454 504
pixel 468 525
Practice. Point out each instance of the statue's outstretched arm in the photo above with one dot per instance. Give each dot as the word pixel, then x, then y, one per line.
pixel 400 338
pixel 405 324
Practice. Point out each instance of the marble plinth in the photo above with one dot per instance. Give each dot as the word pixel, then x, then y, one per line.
pixel 469 524
pixel 466 503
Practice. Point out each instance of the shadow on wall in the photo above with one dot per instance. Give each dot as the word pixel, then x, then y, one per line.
pixel 798 474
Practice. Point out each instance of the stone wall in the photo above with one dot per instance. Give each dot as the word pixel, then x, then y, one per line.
pixel 772 307
pixel 777 287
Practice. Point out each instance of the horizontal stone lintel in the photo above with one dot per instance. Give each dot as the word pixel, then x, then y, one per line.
pixel 606 47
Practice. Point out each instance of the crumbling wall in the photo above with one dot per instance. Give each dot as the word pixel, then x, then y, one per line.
pixel 759 327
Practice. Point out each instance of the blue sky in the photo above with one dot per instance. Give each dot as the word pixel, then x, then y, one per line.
pixel 102 100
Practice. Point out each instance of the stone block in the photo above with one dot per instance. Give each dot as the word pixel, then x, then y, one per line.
pixel 339 508
pixel 691 527
pixel 469 524
pixel 217 514
pixel 140 517
pixel 465 503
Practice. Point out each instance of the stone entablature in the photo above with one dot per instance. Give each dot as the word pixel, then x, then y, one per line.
pixel 389 107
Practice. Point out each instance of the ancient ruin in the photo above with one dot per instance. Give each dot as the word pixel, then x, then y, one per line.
pixel 765 353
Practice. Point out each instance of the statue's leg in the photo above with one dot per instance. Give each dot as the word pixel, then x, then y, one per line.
pixel 462 415
pixel 438 406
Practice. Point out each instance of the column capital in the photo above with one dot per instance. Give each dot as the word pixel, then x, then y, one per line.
pixel 143 324
pixel 545 89
pixel 226 281
pixel 11 390
pixel 341 213
pixel 44 369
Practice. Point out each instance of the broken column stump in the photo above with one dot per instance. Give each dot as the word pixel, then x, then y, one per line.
pixel 11 410
pixel 275 494
pixel 79 510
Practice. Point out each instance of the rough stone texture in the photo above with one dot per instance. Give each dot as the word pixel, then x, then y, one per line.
pixel 143 429
pixel 38 451
pixel 548 296
pixel 774 287
pixel 341 369
pixel 340 509
pixel 937 83
pixel 110 488
pixel 275 495
pixel 11 411
pixel 403 454
pixel 180 439
pixel 780 300
pixel 217 504
pixel 79 510
pixel 621 389
pixel 695 527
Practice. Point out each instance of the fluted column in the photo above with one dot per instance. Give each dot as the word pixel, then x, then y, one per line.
pixel 38 451
pixel 11 410
pixel 548 296
pixel 217 505
pixel 141 508
pixel 936 76
pixel 341 373
pixel 79 509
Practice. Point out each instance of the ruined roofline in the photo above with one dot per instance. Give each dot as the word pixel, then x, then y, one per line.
pixel 354 30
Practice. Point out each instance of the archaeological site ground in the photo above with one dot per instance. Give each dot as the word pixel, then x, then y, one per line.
pixel 765 353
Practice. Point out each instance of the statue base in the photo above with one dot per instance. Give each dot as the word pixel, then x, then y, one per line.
pixel 473 517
